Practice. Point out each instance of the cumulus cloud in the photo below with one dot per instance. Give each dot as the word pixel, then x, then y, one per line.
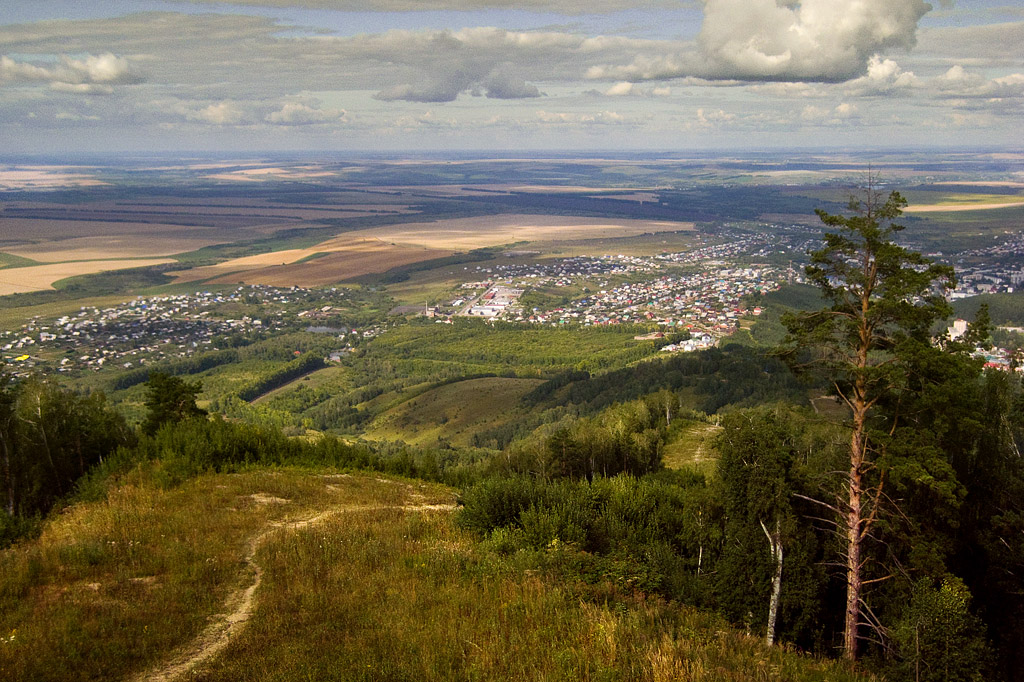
pixel 825 40
pixel 619 89
pixel 293 114
pixel 709 118
pixel 444 64
pixel 218 113
pixel 93 74
pixel 628 89
pixel 781 40
pixel 959 82
pixel 816 115
pixel 884 77
pixel 240 57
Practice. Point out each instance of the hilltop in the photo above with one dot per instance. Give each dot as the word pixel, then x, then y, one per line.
pixel 289 572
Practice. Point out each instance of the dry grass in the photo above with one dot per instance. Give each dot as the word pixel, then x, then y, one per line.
pixel 120 585
pixel 342 577
pixel 272 172
pixel 41 277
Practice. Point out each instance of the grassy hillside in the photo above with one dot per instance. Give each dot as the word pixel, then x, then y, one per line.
pixel 288 574
pixel 453 412
pixel 692 446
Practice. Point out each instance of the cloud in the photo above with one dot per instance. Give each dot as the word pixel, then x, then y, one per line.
pixel 781 40
pixel 441 65
pixel 293 114
pixel 11 70
pixel 961 83
pixel 104 68
pixel 818 40
pixel 93 74
pixel 884 77
pixel 619 89
pixel 246 57
pixel 569 7
pixel 707 118
pixel 507 85
pixel 839 114
pixel 82 88
pixel 581 119
pixel 785 89
pixel 628 89
pixel 218 113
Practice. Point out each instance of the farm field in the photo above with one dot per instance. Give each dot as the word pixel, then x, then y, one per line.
pixel 968 202
pixel 475 233
pixel 42 277
pixel 378 249
pixel 348 258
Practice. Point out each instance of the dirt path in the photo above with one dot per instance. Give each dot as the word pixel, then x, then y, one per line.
pixel 706 433
pixel 240 604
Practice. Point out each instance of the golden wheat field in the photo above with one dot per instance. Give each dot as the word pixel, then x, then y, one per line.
pixel 41 277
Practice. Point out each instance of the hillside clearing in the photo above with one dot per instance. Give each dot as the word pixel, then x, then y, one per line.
pixel 453 412
pixel 693 447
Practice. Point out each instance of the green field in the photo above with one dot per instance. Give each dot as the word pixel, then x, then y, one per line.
pixel 9 260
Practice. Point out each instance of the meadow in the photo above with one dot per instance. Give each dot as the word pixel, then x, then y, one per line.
pixel 296 573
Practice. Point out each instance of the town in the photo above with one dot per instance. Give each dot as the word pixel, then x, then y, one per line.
pixel 703 292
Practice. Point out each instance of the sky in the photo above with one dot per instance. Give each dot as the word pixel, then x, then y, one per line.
pixel 258 76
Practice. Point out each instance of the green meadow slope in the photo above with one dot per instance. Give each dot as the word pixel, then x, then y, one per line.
pixel 313 574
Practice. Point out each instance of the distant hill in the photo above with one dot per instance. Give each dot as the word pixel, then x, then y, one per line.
pixel 797 296
pixel 1004 309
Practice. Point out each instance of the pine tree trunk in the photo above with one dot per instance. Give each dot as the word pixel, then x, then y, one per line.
pixel 854 520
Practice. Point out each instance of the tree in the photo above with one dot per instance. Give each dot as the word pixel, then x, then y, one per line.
pixel 882 300
pixel 759 478
pixel 939 639
pixel 8 397
pixel 754 462
pixel 170 399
